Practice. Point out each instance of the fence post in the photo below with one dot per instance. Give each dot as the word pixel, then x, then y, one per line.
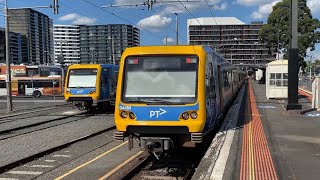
pixel 315 93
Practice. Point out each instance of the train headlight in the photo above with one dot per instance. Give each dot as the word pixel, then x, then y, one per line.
pixel 185 116
pixel 132 115
pixel 68 92
pixel 92 92
pixel 124 114
pixel 194 115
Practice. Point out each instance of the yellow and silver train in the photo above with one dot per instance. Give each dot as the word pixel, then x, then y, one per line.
pixel 172 95
pixel 89 86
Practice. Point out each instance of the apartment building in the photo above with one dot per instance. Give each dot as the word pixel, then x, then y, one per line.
pixel 15 47
pixel 66 44
pixel 235 40
pixel 36 31
pixel 106 43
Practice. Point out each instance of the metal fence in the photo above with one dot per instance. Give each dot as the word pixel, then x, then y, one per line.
pixel 24 96
pixel 305 83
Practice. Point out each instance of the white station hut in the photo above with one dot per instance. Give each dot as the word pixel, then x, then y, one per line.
pixel 277 79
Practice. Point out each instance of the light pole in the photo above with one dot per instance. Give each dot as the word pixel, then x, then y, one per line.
pixel 177 32
pixel 8 79
pixel 55 7
pixel 293 67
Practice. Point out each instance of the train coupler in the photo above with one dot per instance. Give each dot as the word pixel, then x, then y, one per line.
pixel 119 136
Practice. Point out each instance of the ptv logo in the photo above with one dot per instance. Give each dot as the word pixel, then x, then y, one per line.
pixel 157 113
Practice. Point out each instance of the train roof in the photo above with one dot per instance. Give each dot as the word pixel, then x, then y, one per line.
pixel 91 65
pixel 179 49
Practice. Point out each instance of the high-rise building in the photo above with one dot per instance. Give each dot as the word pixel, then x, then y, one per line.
pixel 105 43
pixel 15 47
pixel 66 44
pixel 233 39
pixel 36 31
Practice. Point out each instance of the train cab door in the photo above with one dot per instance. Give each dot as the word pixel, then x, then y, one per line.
pixel 211 95
pixel 113 83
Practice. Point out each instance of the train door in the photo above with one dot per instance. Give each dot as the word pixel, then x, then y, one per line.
pixel 220 87
pixel 232 82
pixel 113 84
pixel 104 84
pixel 210 95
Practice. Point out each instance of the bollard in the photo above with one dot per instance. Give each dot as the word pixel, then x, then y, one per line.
pixel 315 93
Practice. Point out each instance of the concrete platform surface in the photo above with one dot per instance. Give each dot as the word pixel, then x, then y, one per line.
pixel 268 142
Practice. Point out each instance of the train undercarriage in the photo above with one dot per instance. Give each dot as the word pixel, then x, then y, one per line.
pixel 90 106
pixel 159 145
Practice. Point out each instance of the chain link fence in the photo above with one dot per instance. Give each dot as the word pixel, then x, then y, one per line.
pixel 305 83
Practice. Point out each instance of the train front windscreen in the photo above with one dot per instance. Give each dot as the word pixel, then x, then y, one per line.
pixel 158 80
pixel 82 78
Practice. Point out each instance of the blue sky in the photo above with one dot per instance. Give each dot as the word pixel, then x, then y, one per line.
pixel 160 21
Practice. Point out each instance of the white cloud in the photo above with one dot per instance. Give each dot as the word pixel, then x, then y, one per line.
pixel 252 2
pixel 170 41
pixel 77 19
pixel 264 10
pixel 155 23
pixel 314 6
pixel 223 6
pixel 68 17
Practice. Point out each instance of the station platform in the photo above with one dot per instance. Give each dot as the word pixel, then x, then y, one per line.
pixel 264 141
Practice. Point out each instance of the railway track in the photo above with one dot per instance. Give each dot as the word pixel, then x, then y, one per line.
pixel 143 166
pixel 17 163
pixel 30 128
pixel 38 110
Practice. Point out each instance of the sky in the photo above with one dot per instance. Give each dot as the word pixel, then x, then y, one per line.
pixel 160 22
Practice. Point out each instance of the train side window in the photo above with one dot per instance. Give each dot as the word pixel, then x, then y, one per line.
pixel 56 84
pixel 113 84
pixel 2 84
pixel 210 83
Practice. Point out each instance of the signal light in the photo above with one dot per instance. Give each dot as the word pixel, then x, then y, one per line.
pixel 191 60
pixel 133 61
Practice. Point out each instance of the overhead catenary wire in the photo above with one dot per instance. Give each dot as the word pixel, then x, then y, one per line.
pixel 211 12
pixel 75 10
pixel 126 20
pixel 185 7
pixel 315 4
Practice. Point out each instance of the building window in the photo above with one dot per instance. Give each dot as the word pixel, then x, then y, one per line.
pixel 278 79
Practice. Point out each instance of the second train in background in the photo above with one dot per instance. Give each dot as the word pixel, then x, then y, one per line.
pixel 91 86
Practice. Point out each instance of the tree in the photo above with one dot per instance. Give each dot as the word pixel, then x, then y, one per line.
pixel 276 33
